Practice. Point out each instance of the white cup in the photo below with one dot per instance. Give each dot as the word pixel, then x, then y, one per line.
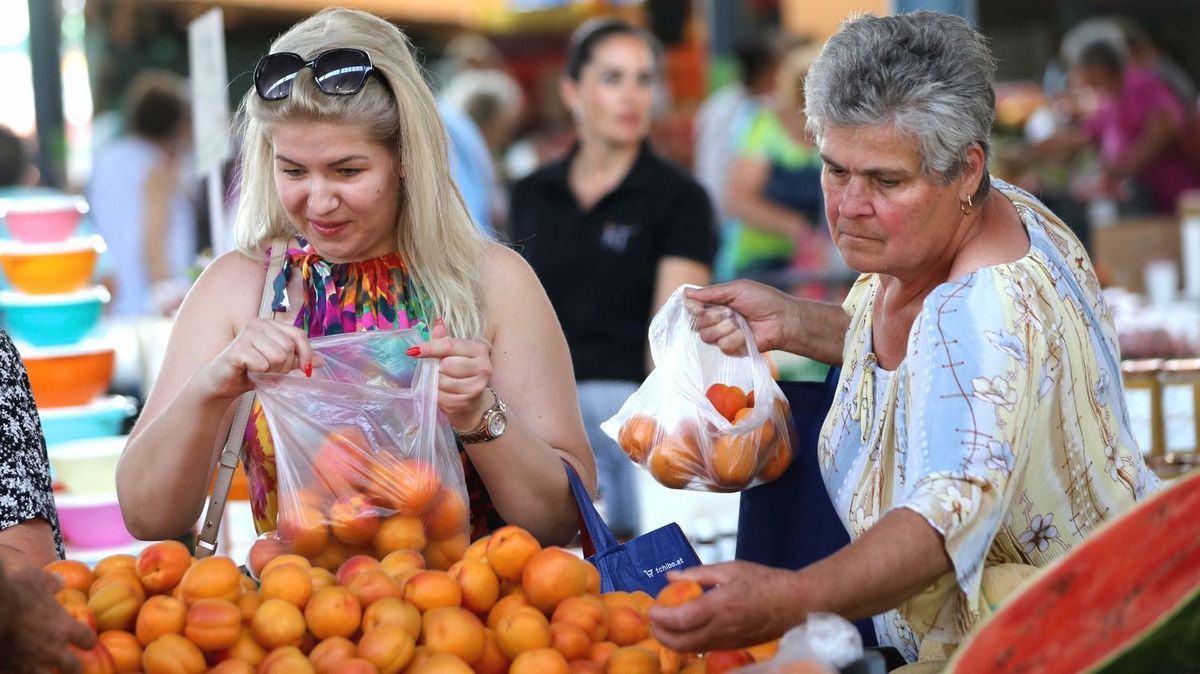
pixel 1161 278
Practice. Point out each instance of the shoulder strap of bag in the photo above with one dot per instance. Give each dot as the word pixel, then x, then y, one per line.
pixel 231 455
pixel 595 535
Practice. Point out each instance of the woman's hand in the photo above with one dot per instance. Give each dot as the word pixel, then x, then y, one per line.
pixel 746 605
pixel 263 345
pixel 34 629
pixel 463 376
pixel 765 309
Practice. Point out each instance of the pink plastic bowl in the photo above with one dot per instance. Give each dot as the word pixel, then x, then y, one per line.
pixel 42 219
pixel 91 521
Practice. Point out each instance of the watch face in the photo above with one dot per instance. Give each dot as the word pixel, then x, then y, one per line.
pixel 496 424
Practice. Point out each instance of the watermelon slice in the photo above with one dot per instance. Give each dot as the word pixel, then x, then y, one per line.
pixel 1126 600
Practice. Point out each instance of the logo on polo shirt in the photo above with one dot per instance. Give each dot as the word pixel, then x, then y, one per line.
pixel 615 236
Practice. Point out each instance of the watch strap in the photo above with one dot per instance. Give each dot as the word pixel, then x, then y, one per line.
pixel 482 431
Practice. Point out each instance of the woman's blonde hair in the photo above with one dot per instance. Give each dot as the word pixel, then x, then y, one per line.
pixel 436 237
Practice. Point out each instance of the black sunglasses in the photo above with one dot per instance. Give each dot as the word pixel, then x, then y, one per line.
pixel 337 72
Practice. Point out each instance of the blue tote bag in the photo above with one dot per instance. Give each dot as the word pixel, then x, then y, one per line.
pixel 638 564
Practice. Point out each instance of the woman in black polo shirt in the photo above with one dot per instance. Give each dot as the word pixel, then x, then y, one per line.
pixel 611 230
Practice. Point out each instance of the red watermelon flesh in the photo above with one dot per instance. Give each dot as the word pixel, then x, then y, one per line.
pixel 1127 599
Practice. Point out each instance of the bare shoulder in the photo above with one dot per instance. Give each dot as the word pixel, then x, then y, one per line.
pixel 501 264
pixel 511 290
pixel 231 287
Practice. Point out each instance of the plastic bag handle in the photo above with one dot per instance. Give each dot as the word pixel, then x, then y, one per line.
pixel 597 537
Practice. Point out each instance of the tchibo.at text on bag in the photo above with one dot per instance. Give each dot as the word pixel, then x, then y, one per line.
pixel 704 419
pixel 364 463
pixel 638 564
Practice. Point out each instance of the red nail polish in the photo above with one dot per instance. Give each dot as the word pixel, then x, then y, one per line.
pixel 439 322
pixel 308 369
pixel 413 351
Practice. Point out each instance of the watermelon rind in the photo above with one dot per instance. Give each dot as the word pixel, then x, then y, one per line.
pixel 1017 638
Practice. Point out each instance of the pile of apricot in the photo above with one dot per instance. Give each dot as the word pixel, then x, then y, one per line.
pixel 509 605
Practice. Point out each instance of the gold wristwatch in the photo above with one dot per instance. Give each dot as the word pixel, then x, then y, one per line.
pixel 491 426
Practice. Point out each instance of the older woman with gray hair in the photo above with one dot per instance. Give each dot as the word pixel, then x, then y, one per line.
pixel 978 430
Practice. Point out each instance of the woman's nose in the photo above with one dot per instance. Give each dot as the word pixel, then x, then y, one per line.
pixel 855 201
pixel 322 197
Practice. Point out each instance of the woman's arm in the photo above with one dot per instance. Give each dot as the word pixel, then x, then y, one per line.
pixel 893 561
pixel 164 472
pixel 744 200
pixel 1159 131
pixel 30 543
pixel 531 370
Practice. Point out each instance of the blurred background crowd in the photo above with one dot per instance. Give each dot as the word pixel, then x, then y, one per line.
pixel 1097 115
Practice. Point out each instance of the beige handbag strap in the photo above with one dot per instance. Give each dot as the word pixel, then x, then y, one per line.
pixel 231 455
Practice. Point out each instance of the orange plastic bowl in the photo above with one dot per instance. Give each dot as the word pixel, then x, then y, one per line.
pixel 66 376
pixel 44 268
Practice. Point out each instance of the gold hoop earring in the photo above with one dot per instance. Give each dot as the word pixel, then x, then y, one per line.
pixel 967 206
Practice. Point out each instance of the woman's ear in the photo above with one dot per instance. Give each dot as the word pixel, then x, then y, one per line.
pixel 568 91
pixel 975 166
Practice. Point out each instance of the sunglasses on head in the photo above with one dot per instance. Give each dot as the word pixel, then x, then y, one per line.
pixel 337 72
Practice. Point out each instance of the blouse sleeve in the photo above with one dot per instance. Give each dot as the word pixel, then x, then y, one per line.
pixel 972 384
pixel 25 491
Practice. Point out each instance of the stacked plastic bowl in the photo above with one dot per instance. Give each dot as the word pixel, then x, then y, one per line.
pixel 51 308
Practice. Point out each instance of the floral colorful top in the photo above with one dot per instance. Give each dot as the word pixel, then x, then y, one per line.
pixel 1004 426
pixel 344 297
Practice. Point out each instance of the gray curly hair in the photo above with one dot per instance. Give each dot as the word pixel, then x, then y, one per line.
pixel 930 74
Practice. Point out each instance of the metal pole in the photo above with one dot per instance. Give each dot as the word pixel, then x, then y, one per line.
pixel 45 31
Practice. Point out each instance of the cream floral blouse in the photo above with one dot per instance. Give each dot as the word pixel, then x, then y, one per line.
pixel 1004 426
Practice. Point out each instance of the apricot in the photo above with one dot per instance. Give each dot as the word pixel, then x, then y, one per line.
pixel 540 661
pixel 493 660
pixel 160 566
pixel 627 626
pixel 321 578
pixel 211 578
pixel 440 663
pixel 173 654
pixel 372 585
pixel 245 649
pixel 570 640
pixel 632 660
pixel 454 630
pixel 733 459
pixel 348 570
pixel 552 575
pixel 764 651
pixel 116 605
pixel 353 666
pixel 727 400
pixel 637 436
pixel 333 612
pixel 431 589
pixel 118 576
pixel 388 647
pixel 763 436
pixel 478 548
pixel 82 614
pixel 121 562
pixel 341 464
pixel 158 616
pixel 719 662
pixel 232 666
pixel 354 519
pixel 248 604
pixel 289 582
pixel 302 526
pixel 505 605
pixel 409 485
pixel 601 651
pixel 618 598
pixel 523 629
pixel 584 667
pixel 780 459
pixel 75 575
pixel 335 553
pixel 448 515
pixel 125 650
pixel 679 592
pixel 641 600
pixel 285 660
pixel 262 551
pixel 398 561
pixel 480 586
pixel 96 660
pixel 393 612
pixel 509 549
pixel 331 652
pixel 288 558
pixel 669 660
pixel 399 532
pixel 213 624
pixel 442 553
pixel 69 595
pixel 674 463
pixel 588 613
pixel 593 578
pixel 278 623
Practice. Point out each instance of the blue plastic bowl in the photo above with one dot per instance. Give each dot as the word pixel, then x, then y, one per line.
pixel 52 320
pixel 104 417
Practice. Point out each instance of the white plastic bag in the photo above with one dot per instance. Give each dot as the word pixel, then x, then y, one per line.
pixel 703 419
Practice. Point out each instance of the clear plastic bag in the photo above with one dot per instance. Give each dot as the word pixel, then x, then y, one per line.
pixel 364 462
pixel 703 419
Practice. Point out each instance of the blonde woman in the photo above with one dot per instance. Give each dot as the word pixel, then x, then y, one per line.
pixel 346 157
